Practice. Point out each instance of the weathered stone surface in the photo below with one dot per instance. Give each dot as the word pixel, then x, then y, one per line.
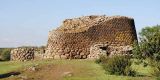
pixel 57 57
pixel 84 37
pixel 27 53
pixel 91 36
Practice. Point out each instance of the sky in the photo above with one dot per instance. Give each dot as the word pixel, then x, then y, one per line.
pixel 27 22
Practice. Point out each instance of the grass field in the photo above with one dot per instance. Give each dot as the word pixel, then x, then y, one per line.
pixel 56 69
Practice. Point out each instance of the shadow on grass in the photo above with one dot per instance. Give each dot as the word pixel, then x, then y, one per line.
pixel 141 76
pixel 9 74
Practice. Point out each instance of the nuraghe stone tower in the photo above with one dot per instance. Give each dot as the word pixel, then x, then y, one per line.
pixel 91 36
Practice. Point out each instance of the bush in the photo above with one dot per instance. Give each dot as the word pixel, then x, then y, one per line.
pixel 101 59
pixel 149 45
pixel 5 54
pixel 158 78
pixel 148 48
pixel 155 67
pixel 118 65
pixel 129 72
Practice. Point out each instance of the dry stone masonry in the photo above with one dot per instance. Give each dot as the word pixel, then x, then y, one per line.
pixel 91 36
pixel 27 53
pixel 86 37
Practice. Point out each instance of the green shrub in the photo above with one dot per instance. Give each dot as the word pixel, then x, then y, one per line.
pixel 155 67
pixel 101 59
pixel 158 78
pixel 5 54
pixel 129 72
pixel 97 61
pixel 118 65
pixel 145 64
pixel 149 44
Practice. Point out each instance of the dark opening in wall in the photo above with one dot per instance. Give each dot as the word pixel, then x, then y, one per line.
pixel 103 48
pixel 108 53
pixel 44 51
pixel 106 49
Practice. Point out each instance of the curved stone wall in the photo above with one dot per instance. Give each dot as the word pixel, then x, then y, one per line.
pixel 75 37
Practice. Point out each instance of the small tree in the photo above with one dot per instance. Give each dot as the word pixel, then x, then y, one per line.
pixel 149 45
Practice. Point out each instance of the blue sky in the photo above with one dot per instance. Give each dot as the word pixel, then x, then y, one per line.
pixel 27 22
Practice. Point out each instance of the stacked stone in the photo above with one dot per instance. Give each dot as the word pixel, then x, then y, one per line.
pixel 75 37
pixel 22 54
pixel 124 50
pixel 39 53
pixel 27 53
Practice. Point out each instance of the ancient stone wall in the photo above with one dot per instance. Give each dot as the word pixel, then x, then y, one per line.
pixel 27 53
pixel 76 37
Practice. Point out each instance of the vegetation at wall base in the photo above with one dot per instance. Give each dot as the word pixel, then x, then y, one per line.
pixel 148 48
pixel 117 65
pixel 146 52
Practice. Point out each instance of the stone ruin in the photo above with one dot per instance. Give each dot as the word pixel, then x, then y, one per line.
pixel 91 36
pixel 27 53
pixel 85 37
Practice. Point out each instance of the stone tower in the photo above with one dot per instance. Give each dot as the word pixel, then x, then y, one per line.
pixel 91 36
